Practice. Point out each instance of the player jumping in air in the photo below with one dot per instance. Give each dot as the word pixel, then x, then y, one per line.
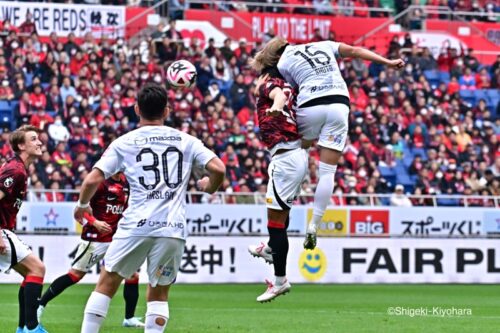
pixel 13 252
pixel 157 161
pixel 287 169
pixel 108 204
pixel 323 104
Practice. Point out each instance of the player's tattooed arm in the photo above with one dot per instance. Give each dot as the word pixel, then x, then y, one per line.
pixel 349 51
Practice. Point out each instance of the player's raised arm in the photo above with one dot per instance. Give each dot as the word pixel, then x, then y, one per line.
pixel 89 187
pixel 349 51
pixel 213 181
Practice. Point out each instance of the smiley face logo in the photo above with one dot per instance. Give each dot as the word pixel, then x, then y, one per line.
pixel 312 264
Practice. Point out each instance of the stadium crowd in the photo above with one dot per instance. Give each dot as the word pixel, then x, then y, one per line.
pixel 403 129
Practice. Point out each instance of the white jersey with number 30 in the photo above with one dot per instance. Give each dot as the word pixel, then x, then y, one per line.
pixel 157 161
pixel 313 69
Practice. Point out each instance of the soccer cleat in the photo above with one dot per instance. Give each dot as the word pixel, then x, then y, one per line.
pixel 38 329
pixel 21 330
pixel 133 322
pixel 39 313
pixel 310 241
pixel 274 291
pixel 263 251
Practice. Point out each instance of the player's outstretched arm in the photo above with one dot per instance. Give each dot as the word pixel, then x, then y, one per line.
pixel 213 181
pixel 89 187
pixel 349 51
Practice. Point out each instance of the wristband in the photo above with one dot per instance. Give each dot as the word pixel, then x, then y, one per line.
pixel 80 205
pixel 88 219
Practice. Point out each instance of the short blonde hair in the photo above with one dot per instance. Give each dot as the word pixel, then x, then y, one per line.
pixel 18 137
pixel 269 55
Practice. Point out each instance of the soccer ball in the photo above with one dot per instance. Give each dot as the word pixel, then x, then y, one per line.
pixel 181 74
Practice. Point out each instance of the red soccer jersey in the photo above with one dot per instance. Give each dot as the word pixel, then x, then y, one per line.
pixel 282 128
pixel 13 183
pixel 108 204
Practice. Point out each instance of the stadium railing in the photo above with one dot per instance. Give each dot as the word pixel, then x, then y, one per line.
pixel 347 199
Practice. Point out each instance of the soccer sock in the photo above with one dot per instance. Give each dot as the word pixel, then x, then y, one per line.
pixel 157 315
pixel 280 280
pixel 131 295
pixel 32 292
pixel 324 191
pixel 95 312
pixel 278 241
pixel 58 286
pixel 22 312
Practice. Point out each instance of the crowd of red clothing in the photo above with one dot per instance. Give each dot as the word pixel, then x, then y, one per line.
pixel 82 96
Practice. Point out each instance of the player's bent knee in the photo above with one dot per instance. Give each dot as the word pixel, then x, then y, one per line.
pixel 76 275
pixel 34 266
pixel 133 279
pixel 326 169
pixel 108 283
pixel 97 304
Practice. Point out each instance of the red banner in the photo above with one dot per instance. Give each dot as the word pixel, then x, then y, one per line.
pixel 296 28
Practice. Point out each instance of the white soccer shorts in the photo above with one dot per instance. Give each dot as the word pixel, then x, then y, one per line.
pixel 89 254
pixel 17 250
pixel 286 173
pixel 328 123
pixel 126 255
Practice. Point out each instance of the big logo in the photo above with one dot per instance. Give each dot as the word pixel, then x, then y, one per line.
pixel 369 222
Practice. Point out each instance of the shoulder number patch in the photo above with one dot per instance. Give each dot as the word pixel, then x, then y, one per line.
pixel 8 182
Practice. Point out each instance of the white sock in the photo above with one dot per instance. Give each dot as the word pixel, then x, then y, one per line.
pixel 95 312
pixel 157 315
pixel 324 191
pixel 279 280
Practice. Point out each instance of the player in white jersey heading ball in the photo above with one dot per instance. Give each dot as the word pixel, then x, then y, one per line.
pixel 157 161
pixel 323 104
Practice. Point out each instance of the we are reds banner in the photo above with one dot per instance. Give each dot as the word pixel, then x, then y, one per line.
pixel 64 19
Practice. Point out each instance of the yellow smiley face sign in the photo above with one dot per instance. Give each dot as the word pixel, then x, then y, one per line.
pixel 312 264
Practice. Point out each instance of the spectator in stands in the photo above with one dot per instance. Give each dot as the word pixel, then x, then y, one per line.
pixel 172 33
pixel 57 131
pixel 226 49
pixel 6 92
pixel 268 35
pixel 467 80
pixel 317 37
pixel 67 89
pixel 71 47
pixel 28 27
pixel 399 199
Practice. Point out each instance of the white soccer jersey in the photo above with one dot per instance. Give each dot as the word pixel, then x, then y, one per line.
pixel 313 68
pixel 157 161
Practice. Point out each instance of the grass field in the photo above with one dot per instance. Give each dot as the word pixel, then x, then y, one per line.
pixel 308 308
